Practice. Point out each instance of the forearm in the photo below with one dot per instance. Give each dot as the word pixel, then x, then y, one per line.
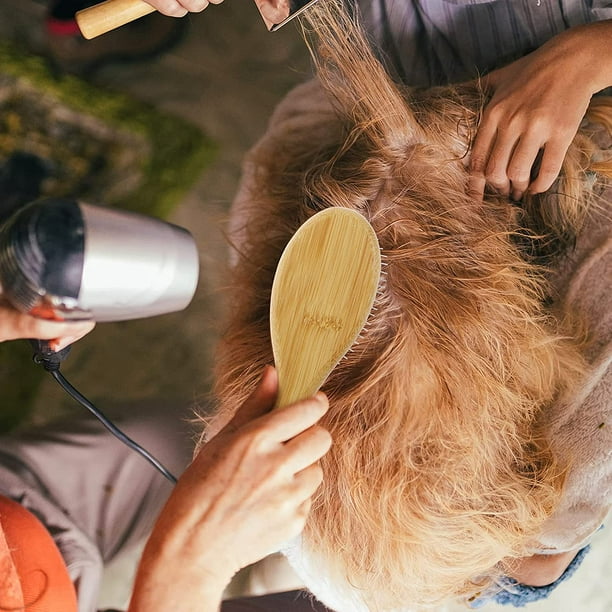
pixel 148 600
pixel 159 587
pixel 247 491
pixel 592 45
pixel 540 570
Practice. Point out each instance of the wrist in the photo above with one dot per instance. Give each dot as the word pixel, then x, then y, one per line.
pixel 178 580
pixel 591 44
pixel 163 590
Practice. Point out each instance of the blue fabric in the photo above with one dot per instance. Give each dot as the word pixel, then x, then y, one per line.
pixel 515 594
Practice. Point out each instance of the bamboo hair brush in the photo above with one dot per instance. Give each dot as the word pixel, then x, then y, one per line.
pixel 322 294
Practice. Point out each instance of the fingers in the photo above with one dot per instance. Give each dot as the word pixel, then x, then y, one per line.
pixel 293 502
pixel 306 449
pixel 502 157
pixel 496 172
pixel 481 149
pixel 179 8
pixel 521 164
pixel 259 402
pixel 552 160
pixel 14 325
pixel 74 332
pixel 510 167
pixel 305 485
pixel 282 425
pixel 171 8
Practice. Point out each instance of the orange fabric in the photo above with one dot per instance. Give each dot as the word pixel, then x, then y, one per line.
pixel 29 556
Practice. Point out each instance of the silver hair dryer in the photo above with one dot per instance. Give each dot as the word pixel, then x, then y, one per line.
pixel 66 260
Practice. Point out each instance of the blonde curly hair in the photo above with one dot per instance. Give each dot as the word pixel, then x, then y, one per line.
pixel 439 469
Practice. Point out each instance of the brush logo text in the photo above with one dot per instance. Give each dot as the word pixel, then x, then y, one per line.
pixel 322 322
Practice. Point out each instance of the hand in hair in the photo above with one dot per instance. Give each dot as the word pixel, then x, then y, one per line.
pixel 247 492
pixel 14 325
pixel 179 8
pixel 537 105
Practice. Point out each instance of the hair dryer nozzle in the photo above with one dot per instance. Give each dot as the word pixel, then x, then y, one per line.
pixel 63 259
pixel 135 266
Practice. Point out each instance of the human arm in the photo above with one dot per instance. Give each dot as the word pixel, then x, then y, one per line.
pixel 15 324
pixel 246 493
pixel 540 570
pixel 179 8
pixel 538 103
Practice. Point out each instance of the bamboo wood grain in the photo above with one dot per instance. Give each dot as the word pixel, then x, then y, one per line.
pixel 107 16
pixel 322 294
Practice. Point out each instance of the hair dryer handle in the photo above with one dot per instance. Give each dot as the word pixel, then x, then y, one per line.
pixel 44 355
pixel 107 16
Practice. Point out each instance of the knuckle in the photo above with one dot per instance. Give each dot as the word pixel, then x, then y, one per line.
pixel 539 123
pixel 195 6
pixel 478 162
pixel 497 179
pixel 494 112
pixel 253 440
pixel 518 174
pixel 172 8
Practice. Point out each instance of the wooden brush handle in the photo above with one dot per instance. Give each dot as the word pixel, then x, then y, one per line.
pixel 102 18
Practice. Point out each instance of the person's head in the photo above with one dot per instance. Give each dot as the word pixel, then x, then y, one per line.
pixel 438 469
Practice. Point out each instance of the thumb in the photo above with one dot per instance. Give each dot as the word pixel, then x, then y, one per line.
pixel 260 401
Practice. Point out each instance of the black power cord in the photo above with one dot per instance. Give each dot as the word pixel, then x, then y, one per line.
pixel 50 361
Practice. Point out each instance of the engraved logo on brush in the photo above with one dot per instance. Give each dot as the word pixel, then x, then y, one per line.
pixel 322 322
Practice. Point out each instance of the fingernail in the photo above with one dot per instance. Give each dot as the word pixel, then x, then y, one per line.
pixel 517 195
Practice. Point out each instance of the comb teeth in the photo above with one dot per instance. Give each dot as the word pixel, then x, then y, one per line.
pixel 380 294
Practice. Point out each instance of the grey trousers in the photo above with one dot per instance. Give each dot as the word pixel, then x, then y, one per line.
pixel 95 495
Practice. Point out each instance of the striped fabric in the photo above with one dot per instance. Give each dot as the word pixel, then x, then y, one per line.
pixel 435 42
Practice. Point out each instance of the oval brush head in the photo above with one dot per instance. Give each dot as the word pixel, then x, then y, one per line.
pixel 322 294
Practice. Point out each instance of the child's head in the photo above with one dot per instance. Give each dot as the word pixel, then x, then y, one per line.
pixel 438 469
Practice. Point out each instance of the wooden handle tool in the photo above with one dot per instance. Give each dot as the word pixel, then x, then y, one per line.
pixel 107 16
pixel 323 290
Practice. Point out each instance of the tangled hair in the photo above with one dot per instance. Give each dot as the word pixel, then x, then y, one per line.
pixel 439 469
